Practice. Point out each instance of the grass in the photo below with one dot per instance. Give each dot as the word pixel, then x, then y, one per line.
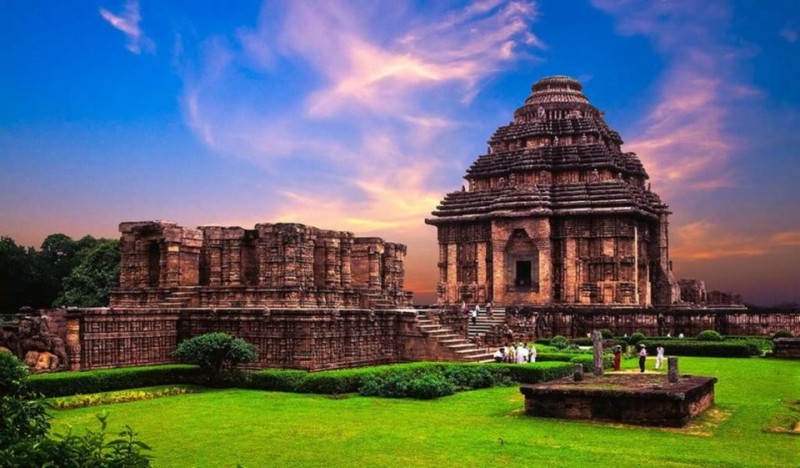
pixel 478 428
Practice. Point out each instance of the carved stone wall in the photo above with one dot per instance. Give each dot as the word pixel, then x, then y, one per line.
pixel 274 265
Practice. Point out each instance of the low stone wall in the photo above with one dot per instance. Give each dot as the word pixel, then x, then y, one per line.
pixel 578 322
pixel 310 339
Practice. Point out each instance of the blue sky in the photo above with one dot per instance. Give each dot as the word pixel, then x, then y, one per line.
pixel 361 115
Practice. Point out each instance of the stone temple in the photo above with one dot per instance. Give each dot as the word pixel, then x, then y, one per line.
pixel 555 213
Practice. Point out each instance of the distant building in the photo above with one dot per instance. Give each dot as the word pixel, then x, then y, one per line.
pixel 555 213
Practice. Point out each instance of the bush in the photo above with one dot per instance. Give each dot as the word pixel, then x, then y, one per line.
pixel 24 425
pixel 559 342
pixel 536 372
pixel 606 334
pixel 700 348
pixel 588 362
pixel 73 383
pixel 782 334
pixel 215 352
pixel 636 338
pixel 429 386
pixel 709 335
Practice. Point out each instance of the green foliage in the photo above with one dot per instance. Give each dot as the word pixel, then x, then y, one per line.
pixel 782 334
pixel 420 384
pixel 636 338
pixel 72 383
pixel 123 396
pixel 24 424
pixel 537 371
pixel 559 342
pixel 215 352
pixel 606 334
pixel 19 277
pixel 12 375
pixel 700 348
pixel 97 272
pixel 587 362
pixel 709 335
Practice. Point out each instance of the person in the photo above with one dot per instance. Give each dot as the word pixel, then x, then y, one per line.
pixel 532 353
pixel 499 355
pixel 464 308
pixel 659 356
pixel 512 353
pixel 642 357
pixel 617 357
pixel 489 310
pixel 475 312
pixel 522 353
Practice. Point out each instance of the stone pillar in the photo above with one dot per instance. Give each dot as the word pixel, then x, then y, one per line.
pixel 570 285
pixel 346 248
pixel 597 339
pixel 577 372
pixel 374 269
pixel 73 342
pixel 452 275
pixel 672 369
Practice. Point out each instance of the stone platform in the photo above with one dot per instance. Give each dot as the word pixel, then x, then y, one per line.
pixel 643 399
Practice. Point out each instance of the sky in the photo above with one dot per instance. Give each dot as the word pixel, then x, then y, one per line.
pixel 361 115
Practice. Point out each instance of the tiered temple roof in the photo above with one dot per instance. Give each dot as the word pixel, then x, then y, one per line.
pixel 557 157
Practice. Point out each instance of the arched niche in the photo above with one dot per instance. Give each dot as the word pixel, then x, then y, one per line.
pixel 522 262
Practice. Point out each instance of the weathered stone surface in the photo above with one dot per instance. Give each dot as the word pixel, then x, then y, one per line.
pixel 629 398
pixel 273 265
pixel 787 348
pixel 310 339
pixel 556 213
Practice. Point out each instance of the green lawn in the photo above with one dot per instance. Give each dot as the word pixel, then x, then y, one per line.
pixel 254 428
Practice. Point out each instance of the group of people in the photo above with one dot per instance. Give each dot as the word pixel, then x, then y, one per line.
pixel 518 353
pixel 473 313
pixel 642 357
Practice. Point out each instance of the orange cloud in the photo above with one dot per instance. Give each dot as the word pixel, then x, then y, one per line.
pixel 703 240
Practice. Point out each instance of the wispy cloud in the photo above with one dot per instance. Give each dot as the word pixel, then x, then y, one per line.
pixel 791 34
pixel 685 141
pixel 128 22
pixel 380 102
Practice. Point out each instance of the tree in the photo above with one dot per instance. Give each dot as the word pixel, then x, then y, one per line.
pixel 18 284
pixel 214 352
pixel 96 273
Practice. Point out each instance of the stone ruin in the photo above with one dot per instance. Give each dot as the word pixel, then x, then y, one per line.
pixel 273 265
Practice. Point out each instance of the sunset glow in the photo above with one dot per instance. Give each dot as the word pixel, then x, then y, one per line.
pixel 360 116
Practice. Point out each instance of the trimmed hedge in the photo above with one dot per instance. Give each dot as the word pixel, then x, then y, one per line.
pixel 536 372
pixel 588 362
pixel 74 383
pixel 699 348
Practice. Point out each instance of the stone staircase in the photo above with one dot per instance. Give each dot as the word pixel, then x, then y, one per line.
pixel 457 348
pixel 483 323
pixel 181 298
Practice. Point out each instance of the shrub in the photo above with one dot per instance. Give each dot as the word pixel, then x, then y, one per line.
pixel 782 334
pixel 24 425
pixel 73 383
pixel 636 338
pixel 429 386
pixel 700 348
pixel 709 335
pixel 277 380
pixel 536 372
pixel 82 401
pixel 587 362
pixel 215 352
pixel 559 342
pixel 606 334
